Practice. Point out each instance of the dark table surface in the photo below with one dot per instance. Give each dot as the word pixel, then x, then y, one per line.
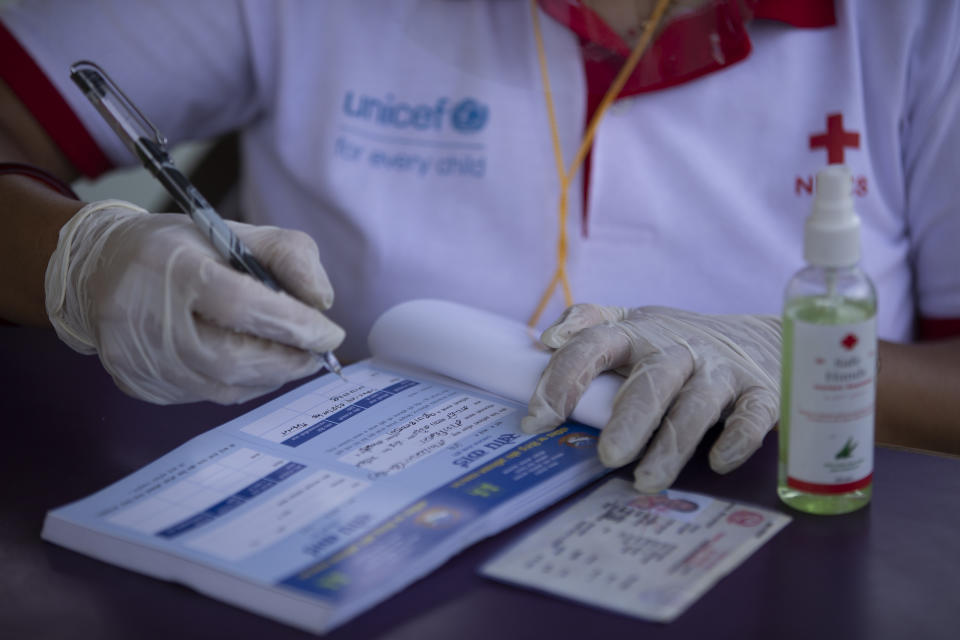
pixel 891 570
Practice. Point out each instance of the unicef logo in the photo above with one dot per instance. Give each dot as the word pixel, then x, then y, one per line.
pixel 469 116
pixel 466 116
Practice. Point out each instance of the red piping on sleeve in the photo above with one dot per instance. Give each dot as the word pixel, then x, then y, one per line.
pixel 808 14
pixel 28 81
pixel 938 328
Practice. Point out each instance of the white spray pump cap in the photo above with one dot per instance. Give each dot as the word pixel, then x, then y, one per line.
pixel 832 232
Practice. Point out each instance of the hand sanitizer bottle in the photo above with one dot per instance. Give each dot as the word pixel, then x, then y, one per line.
pixel 828 382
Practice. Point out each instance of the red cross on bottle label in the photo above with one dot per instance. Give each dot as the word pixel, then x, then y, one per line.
pixel 849 341
pixel 835 139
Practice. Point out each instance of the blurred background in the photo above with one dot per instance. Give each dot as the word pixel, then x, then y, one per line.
pixel 135 184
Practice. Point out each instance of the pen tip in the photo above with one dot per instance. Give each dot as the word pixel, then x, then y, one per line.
pixel 333 365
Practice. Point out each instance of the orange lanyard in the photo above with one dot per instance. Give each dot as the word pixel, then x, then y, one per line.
pixel 566 177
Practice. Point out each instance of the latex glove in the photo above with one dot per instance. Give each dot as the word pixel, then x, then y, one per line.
pixel 684 371
pixel 171 321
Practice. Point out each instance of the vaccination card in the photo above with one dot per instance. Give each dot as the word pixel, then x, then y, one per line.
pixel 647 556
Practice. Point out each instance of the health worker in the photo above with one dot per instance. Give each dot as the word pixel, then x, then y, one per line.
pixel 652 158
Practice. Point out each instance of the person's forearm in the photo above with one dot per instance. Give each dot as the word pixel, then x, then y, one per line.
pixel 918 395
pixel 31 215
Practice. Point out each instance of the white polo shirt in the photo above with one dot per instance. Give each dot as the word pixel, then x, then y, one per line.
pixel 411 140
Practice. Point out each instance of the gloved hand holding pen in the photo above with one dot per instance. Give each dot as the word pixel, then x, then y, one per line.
pixel 171 320
pixel 684 372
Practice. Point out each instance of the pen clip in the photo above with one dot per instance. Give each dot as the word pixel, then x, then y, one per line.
pixel 113 104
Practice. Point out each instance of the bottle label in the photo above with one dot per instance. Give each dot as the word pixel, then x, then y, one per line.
pixel 832 395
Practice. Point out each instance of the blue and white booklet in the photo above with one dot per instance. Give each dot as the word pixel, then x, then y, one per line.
pixel 327 500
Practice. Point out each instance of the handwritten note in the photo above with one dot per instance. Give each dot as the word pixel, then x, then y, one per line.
pixel 309 413
pixel 414 437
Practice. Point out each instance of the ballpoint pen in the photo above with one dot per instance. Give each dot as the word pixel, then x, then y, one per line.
pixel 150 146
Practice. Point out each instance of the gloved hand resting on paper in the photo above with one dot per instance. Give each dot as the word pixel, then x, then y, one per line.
pixel 171 320
pixel 684 372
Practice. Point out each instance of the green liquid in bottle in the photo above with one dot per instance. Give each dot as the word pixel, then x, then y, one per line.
pixel 816 310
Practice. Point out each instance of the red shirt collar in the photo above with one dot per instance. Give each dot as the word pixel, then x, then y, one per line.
pixel 689 46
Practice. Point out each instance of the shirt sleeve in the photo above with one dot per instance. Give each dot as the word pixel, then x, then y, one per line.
pixel 185 63
pixel 931 153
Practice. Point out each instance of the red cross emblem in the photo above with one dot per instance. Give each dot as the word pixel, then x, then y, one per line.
pixel 850 341
pixel 835 140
